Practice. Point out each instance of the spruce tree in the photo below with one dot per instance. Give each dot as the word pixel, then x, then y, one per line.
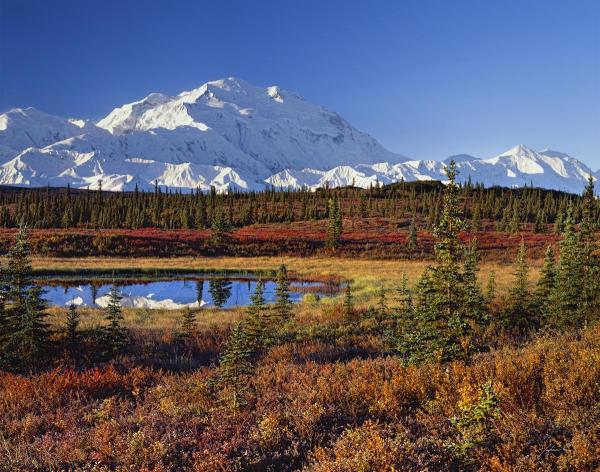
pixel 519 315
pixel 444 320
pixel 283 303
pixel 188 324
pixel 348 301
pixel 474 302
pixel 235 368
pixel 256 324
pixel 545 283
pixel 412 236
pixel 566 306
pixel 591 262
pixel 72 333
pixel 221 231
pixel 404 294
pixel 28 334
pixel 334 226
pixel 115 333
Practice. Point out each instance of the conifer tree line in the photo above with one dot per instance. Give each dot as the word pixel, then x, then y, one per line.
pixel 440 319
pixel 167 209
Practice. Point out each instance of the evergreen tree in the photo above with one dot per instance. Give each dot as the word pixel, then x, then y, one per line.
pixel 334 227
pixel 443 319
pixel 283 303
pixel 221 231
pixel 348 301
pixel 27 334
pixel 235 368
pixel 545 283
pixel 519 315
pixel 404 295
pixel 490 291
pixel 188 324
pixel 256 321
pixel 566 302
pixel 115 333
pixel 72 333
pixel 412 236
pixel 591 263
pixel 474 302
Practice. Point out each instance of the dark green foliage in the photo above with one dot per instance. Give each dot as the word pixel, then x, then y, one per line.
pixel 220 291
pixel 520 314
pixel 115 334
pixel 72 333
pixel 348 301
pixel 566 306
pixel 448 301
pixel 188 324
pixel 545 283
pixel 257 323
pixel 26 334
pixel 412 236
pixel 334 226
pixel 221 229
pixel 474 303
pixel 283 306
pixel 235 368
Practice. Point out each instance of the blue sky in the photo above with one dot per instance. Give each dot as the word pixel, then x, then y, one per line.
pixel 426 78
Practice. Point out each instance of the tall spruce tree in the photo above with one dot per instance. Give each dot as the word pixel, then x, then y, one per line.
pixel 412 236
pixel 283 303
pixel 519 315
pixel 188 324
pixel 443 320
pixel 490 291
pixel 235 368
pixel 348 301
pixel 256 324
pixel 28 333
pixel 545 283
pixel 566 306
pixel 474 301
pixel 591 261
pixel 220 228
pixel 334 226
pixel 115 333
pixel 72 333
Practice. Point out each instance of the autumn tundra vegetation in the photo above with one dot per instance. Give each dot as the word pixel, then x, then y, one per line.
pixel 436 353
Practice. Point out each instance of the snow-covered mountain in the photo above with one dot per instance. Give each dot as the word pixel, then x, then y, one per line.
pixel 516 167
pixel 226 133
pixel 233 135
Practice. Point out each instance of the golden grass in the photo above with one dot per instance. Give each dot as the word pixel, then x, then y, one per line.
pixel 367 276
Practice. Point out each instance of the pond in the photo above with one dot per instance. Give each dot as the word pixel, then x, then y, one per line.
pixel 169 293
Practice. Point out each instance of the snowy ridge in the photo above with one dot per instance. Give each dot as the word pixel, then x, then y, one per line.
pixel 236 136
pixel 517 167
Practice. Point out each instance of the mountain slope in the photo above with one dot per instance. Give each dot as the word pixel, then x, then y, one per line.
pixel 517 167
pixel 233 135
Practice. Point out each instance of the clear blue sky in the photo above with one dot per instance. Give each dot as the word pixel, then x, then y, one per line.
pixel 427 78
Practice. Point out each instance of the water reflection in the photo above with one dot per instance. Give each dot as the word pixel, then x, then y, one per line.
pixel 166 294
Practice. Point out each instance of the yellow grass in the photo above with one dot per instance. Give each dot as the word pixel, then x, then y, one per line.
pixel 366 275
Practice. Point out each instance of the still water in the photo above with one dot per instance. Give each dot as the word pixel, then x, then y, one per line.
pixel 167 294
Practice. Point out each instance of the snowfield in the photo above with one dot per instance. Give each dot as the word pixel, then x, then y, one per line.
pixel 236 136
